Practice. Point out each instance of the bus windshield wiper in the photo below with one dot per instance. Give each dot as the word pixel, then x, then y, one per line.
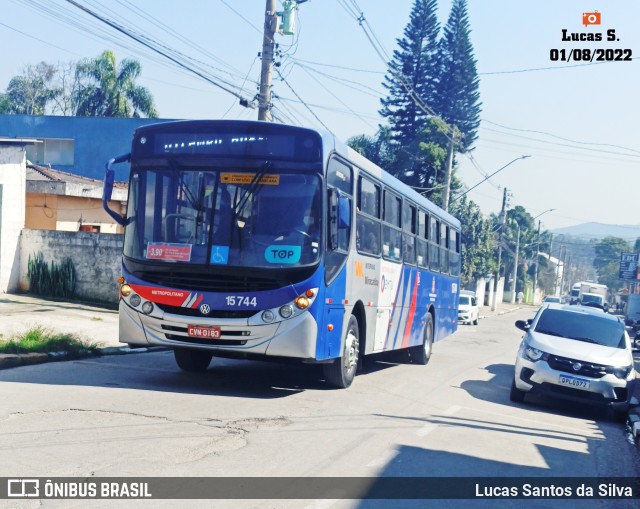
pixel 253 186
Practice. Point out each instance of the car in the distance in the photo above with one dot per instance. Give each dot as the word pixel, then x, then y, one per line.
pixel 551 298
pixel 576 353
pixel 468 310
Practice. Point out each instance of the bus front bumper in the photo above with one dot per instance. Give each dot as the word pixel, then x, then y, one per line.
pixel 295 338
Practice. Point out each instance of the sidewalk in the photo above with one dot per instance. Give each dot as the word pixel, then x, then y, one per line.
pixel 97 325
pixel 503 308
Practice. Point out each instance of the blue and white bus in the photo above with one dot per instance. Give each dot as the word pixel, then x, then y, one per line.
pixel 266 241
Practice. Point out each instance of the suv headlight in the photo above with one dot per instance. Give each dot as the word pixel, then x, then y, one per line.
pixel 532 354
pixel 621 372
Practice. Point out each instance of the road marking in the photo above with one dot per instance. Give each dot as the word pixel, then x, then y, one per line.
pixel 429 427
pixel 426 429
pixel 321 504
pixel 382 460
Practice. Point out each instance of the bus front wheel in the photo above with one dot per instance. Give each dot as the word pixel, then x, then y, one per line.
pixel 422 353
pixel 341 372
pixel 192 360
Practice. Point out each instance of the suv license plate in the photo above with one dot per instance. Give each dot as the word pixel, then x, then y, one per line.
pixel 197 331
pixel 572 381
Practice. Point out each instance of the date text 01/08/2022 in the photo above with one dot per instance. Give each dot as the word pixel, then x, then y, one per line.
pixel 590 55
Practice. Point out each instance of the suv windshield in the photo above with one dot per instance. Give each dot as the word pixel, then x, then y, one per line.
pixel 465 300
pixel 582 327
pixel 224 217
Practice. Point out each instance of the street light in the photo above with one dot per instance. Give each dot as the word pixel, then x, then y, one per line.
pixel 535 272
pixel 488 177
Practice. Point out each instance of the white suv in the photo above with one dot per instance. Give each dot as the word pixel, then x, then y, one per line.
pixel 575 353
pixel 468 311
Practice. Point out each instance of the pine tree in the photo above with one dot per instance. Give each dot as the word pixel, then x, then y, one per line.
pixel 457 97
pixel 412 75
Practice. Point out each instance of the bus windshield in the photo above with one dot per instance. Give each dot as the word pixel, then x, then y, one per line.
pixel 211 216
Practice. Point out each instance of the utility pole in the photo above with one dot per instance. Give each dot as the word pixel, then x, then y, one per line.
pixel 264 97
pixel 535 272
pixel 495 282
pixel 515 267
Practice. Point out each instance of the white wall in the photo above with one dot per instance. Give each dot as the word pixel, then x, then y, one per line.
pixel 12 180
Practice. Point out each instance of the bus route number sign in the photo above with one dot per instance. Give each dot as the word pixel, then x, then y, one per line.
pixel 198 331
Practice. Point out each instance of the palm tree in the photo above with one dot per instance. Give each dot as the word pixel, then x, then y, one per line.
pixel 108 90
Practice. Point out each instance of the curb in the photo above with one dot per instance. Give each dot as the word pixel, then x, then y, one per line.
pixel 500 312
pixel 10 360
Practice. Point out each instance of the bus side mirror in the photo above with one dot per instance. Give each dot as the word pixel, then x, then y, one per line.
pixel 109 179
pixel 344 212
pixel 107 191
pixel 333 219
pixel 339 216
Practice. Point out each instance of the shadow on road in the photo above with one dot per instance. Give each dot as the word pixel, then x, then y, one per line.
pixel 157 371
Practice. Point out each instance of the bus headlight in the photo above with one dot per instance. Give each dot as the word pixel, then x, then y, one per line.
pixel 286 311
pixel 125 290
pixel 135 300
pixel 147 308
pixel 268 316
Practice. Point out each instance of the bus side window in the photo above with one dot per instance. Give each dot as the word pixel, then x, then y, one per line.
pixel 368 224
pixel 391 233
pixel 434 249
pixel 444 245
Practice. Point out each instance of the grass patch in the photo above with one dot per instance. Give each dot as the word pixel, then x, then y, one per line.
pixel 42 340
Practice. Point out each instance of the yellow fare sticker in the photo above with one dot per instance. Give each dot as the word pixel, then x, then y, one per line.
pixel 247 178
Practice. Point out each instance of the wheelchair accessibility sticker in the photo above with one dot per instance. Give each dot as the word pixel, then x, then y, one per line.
pixel 219 255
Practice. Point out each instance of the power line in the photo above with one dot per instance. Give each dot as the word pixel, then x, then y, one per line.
pixel 302 101
pixel 560 137
pixel 138 39
pixel 551 68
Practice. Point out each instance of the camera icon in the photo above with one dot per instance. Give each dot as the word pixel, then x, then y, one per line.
pixel 591 18
pixel 23 488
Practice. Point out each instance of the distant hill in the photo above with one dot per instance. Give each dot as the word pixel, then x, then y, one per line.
pixel 600 231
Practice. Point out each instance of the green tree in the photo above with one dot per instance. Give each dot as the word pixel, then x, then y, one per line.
pixel 411 78
pixel 376 148
pixel 457 94
pixel 31 92
pixel 607 260
pixel 519 224
pixel 478 242
pixel 109 90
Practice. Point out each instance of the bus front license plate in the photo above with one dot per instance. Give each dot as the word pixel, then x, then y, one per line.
pixel 197 331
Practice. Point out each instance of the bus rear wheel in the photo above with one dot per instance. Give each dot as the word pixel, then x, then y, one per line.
pixel 341 372
pixel 422 353
pixel 192 360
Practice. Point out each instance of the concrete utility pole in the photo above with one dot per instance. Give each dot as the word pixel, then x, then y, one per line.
pixel 497 279
pixel 535 272
pixel 515 267
pixel 264 97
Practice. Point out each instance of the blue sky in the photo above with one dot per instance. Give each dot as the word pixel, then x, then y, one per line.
pixel 578 122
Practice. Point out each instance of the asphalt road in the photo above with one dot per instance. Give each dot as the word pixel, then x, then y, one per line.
pixel 139 415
